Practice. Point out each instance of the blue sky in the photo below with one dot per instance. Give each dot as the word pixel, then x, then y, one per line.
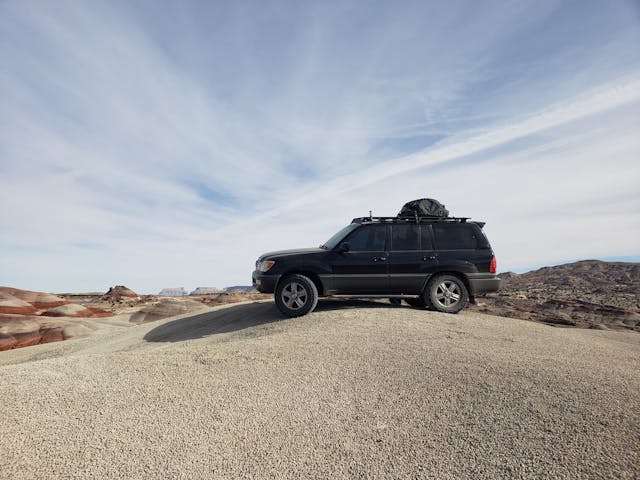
pixel 169 144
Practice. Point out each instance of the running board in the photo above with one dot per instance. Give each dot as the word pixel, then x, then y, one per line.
pixel 373 296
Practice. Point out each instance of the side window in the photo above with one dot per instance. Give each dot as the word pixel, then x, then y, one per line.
pixel 454 236
pixel 368 239
pixel 426 239
pixel 405 237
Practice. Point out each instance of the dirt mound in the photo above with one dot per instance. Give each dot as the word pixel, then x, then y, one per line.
pixel 75 310
pixel 166 308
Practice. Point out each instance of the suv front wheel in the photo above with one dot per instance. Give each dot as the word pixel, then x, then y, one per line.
pixel 296 295
pixel 446 293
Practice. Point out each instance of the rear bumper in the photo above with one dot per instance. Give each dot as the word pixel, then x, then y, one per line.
pixel 483 283
pixel 264 283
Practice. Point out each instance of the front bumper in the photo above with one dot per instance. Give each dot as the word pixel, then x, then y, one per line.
pixel 483 283
pixel 263 282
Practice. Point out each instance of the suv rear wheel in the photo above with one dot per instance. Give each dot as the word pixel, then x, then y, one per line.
pixel 446 293
pixel 296 295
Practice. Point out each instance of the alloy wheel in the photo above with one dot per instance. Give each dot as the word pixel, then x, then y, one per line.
pixel 294 296
pixel 447 293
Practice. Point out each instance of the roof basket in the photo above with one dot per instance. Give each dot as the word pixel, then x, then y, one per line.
pixel 415 219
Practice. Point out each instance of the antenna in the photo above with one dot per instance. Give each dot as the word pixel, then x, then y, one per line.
pixel 370 215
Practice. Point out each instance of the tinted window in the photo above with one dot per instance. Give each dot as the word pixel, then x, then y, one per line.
pixel 454 236
pixel 368 239
pixel 405 237
pixel 426 240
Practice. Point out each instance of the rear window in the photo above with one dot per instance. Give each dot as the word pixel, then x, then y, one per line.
pixel 454 236
pixel 405 237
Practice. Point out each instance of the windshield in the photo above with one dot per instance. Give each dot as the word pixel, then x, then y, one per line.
pixel 337 238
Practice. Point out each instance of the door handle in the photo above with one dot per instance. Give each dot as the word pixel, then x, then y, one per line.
pixel 430 257
pixel 379 259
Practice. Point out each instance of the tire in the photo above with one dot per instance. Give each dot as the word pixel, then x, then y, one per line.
pixel 415 302
pixel 446 293
pixel 296 295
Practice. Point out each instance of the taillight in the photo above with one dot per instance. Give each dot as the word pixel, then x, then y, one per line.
pixel 492 265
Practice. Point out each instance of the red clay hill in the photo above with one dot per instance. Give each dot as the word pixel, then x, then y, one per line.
pixel 29 318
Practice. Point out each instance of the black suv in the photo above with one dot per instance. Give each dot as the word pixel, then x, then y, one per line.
pixel 430 262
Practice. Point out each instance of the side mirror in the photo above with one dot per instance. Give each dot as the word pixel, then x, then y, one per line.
pixel 344 247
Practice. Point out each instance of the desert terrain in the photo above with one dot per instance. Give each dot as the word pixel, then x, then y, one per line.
pixel 222 386
pixel 353 390
pixel 586 294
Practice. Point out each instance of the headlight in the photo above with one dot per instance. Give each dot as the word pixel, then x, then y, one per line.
pixel 266 265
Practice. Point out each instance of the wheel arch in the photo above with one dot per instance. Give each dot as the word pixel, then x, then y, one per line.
pixel 307 273
pixel 459 275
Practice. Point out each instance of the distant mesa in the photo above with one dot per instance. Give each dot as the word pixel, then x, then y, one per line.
pixel 205 291
pixel 173 292
pixel 239 288
pixel 120 293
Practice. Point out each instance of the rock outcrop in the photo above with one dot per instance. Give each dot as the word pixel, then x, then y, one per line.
pixel 120 293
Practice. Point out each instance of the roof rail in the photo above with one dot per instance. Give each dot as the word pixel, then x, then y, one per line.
pixel 415 219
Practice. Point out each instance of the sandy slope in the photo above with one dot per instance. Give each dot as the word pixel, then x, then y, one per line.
pixel 369 392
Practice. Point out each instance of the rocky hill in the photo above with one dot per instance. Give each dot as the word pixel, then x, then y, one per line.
pixel 589 293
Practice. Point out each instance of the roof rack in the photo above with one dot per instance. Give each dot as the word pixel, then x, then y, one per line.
pixel 415 219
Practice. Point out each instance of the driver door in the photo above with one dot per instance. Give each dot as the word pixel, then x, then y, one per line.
pixel 363 269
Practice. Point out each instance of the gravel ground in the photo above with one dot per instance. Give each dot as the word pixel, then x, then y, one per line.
pixel 369 392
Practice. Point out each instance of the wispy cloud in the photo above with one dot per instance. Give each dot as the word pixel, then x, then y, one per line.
pixel 160 147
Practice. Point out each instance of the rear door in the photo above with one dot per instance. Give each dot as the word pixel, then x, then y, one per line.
pixel 363 269
pixel 456 244
pixel 411 258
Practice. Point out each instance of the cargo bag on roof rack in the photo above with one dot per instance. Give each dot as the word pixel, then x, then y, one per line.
pixel 424 207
